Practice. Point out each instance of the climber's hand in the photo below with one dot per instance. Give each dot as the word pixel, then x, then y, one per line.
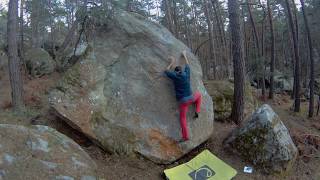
pixel 172 63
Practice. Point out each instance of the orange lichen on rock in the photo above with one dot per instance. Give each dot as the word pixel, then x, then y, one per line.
pixel 167 147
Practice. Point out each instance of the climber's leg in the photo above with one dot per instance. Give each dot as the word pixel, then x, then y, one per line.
pixel 183 120
pixel 197 100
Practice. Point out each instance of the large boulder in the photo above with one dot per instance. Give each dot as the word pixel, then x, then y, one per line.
pixel 118 96
pixel 41 153
pixel 265 141
pixel 39 62
pixel 222 95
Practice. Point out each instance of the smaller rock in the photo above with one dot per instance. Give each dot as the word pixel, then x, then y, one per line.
pixel 283 83
pixel 222 95
pixel 264 141
pixel 39 62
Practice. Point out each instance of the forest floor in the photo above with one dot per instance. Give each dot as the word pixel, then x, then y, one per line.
pixel 305 133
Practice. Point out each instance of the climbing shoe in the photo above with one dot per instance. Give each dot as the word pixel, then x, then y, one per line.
pixel 196 115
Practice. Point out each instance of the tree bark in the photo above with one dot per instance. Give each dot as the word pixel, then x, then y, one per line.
pixel 297 60
pixel 295 22
pixel 14 66
pixel 272 55
pixel 21 47
pixel 311 56
pixel 238 64
pixel 295 11
pixel 21 29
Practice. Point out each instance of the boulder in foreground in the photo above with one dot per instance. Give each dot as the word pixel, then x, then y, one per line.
pixel 264 141
pixel 41 153
pixel 118 96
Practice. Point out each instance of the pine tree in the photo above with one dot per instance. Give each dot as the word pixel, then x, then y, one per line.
pixel 14 65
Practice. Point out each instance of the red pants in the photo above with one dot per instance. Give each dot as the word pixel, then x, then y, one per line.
pixel 183 113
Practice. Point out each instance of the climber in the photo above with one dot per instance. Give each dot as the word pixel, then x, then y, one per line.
pixel 181 80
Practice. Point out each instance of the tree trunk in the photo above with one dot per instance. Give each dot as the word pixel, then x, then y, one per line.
pixel 175 20
pixel 187 27
pixel 245 54
pixel 169 16
pixel 51 19
pixel 223 48
pixel 253 26
pixel 297 60
pixel 35 24
pixel 272 55
pixel 196 21
pixel 238 64
pixel 295 11
pixel 260 57
pixel 311 84
pixel 295 20
pixel 210 32
pixel 14 68
pixel 21 34
pixel 68 38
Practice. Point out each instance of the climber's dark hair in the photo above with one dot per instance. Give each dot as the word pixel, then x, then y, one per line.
pixel 178 69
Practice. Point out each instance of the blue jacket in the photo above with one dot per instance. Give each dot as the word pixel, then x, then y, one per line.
pixel 181 83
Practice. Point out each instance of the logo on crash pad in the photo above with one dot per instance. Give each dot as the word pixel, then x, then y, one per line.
pixel 203 173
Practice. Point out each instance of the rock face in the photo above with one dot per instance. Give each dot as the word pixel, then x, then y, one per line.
pixel 264 141
pixel 39 62
pixel 222 94
pixel 118 96
pixel 41 153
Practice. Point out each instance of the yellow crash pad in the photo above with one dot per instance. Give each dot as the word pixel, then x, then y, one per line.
pixel 205 166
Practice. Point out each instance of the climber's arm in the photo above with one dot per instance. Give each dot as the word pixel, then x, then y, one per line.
pixel 187 68
pixel 168 72
pixel 171 63
pixel 184 54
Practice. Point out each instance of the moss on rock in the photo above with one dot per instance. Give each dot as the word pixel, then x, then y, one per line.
pixel 264 141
